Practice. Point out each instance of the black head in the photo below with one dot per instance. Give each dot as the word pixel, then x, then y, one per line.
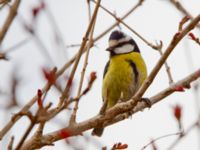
pixel 121 43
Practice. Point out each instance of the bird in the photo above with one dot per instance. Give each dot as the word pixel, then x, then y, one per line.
pixel 123 74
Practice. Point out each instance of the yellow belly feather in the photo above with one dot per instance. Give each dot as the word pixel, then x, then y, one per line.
pixel 119 81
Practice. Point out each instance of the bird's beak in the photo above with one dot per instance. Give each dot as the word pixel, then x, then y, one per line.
pixel 109 49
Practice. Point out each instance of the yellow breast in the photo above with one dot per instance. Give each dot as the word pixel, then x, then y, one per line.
pixel 119 81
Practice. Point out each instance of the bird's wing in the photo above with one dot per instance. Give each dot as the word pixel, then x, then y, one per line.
pixel 106 69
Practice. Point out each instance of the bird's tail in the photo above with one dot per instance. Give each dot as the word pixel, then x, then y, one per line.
pixel 98 131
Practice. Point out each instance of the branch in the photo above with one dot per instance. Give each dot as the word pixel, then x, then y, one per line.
pixel 182 9
pixel 89 45
pixel 85 38
pixel 161 137
pixel 156 47
pixel 9 19
pixel 77 129
pixel 196 124
pixel 10 145
pixel 159 96
pixel 176 39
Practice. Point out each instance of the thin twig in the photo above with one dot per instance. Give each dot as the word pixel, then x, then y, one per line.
pixel 166 67
pixel 175 40
pixel 84 41
pixel 78 128
pixel 89 45
pixel 10 145
pixel 9 19
pixel 16 46
pixel 89 10
pixel 161 137
pixel 27 132
pixel 24 110
pixel 70 62
pixel 131 29
pixel 140 2
pixel 182 9
pixel 182 135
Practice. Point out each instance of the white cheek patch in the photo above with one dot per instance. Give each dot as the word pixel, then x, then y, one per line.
pixel 113 43
pixel 124 49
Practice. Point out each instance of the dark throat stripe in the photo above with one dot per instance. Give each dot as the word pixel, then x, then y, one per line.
pixel 135 71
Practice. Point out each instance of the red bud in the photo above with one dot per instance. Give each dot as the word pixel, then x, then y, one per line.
pixel 192 36
pixel 64 134
pixel 119 146
pixel 69 82
pixel 49 75
pixel 179 89
pixel 93 76
pixel 177 34
pixel 177 112
pixel 39 98
pixel 37 9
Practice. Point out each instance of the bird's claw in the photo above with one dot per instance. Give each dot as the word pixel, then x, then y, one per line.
pixel 147 101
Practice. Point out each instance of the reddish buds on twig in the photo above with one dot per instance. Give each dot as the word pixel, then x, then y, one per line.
pixel 69 82
pixel 39 98
pixel 37 9
pixel 93 77
pixel 50 76
pixel 179 89
pixel 178 114
pixel 182 22
pixel 177 34
pixel 119 146
pixel 194 38
pixel 64 134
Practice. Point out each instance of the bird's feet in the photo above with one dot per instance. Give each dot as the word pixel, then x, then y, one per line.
pixel 147 101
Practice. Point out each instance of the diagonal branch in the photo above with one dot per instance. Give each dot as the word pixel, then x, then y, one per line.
pixel 156 47
pixel 77 129
pixel 9 19
pixel 71 76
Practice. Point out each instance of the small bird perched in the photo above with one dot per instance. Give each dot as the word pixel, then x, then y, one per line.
pixel 124 72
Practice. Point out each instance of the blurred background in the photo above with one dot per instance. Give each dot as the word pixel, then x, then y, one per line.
pixel 58 32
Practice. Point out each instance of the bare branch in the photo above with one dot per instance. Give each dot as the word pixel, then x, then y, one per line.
pixel 85 38
pixel 9 19
pixel 10 145
pixel 78 128
pixel 131 29
pixel 89 45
